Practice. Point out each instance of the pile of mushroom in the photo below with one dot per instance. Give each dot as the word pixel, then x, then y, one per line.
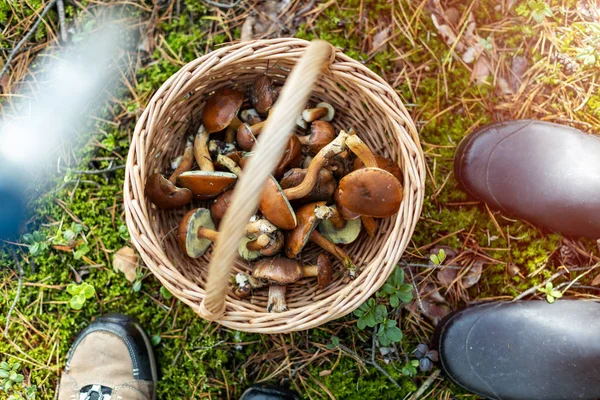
pixel 327 187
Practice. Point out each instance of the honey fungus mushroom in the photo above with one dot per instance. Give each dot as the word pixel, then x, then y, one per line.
pixel 279 272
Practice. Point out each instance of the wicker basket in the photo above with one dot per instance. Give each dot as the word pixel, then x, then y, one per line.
pixel 362 101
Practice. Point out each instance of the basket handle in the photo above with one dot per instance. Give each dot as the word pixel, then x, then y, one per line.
pixel 269 149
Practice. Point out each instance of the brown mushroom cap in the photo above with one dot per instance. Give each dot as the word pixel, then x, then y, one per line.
pixel 325 270
pixel 187 234
pixel 344 212
pixel 296 239
pixel 321 134
pixel 276 207
pixel 206 184
pixel 221 108
pixel 279 270
pixel 164 194
pixel 262 94
pixel 245 138
pixel 370 191
pixel 322 191
pixel 220 205
pixel 383 163
pixel 292 157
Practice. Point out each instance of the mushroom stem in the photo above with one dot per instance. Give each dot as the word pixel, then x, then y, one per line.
pixel 277 299
pixel 257 128
pixel 260 226
pixel 235 123
pixel 232 130
pixel 209 234
pixel 332 149
pixel 187 161
pixel 229 164
pixel 244 284
pixel 334 250
pixel 230 134
pixel 362 151
pixel 260 243
pixel 304 139
pixel 369 224
pixel 310 270
pixel 201 150
pixel 313 114
pixel 336 219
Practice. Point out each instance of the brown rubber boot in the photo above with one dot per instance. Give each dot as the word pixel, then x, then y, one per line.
pixel 111 359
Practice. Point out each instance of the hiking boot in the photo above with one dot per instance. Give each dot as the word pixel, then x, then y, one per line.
pixel 111 359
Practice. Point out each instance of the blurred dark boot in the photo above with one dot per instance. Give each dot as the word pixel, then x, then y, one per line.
pixel 547 174
pixel 529 350
pixel 111 359
pixel 260 392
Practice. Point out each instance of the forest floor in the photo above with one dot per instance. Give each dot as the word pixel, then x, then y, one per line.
pixel 456 66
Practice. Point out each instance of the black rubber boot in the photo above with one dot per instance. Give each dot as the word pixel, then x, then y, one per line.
pixel 547 174
pixel 528 350
pixel 262 392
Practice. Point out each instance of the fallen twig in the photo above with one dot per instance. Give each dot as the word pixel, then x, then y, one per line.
pixel 221 5
pixel 535 288
pixel 20 285
pixel 417 395
pixel 99 171
pixel 367 362
pixel 15 51
pixel 60 7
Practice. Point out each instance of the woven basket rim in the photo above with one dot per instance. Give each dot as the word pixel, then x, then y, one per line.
pixel 355 292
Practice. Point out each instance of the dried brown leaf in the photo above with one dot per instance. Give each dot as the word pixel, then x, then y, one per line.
pixel 126 261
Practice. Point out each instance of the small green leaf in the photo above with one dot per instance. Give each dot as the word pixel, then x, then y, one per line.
pixel 414 363
pixel 380 313
pixel 88 291
pixel 394 301
pixel 76 302
pixel 3 373
pixel 4 365
pixel 137 286
pixel 549 298
pixel 7 385
pixel 165 293
pixel 394 334
pixel 555 293
pixel 441 255
pixel 19 378
pixel 434 259
pixel 73 289
pixel 361 324
pixel 155 340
